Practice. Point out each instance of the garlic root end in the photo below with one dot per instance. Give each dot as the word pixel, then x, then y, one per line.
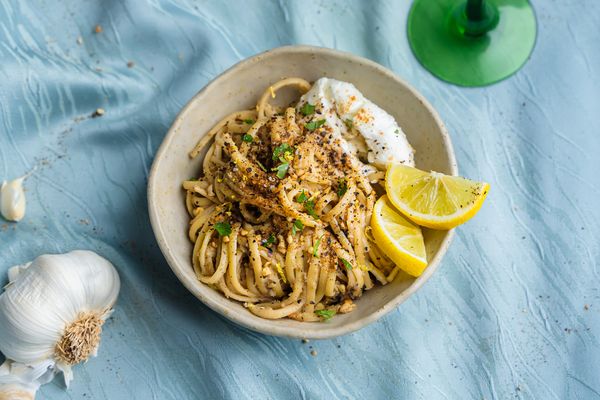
pixel 80 339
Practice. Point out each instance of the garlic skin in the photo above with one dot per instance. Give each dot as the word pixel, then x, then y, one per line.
pixel 51 316
pixel 12 200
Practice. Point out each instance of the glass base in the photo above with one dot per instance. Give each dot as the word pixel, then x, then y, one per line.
pixel 468 54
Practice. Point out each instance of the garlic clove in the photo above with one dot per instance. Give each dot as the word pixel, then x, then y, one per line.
pixel 15 392
pixel 12 200
pixel 19 381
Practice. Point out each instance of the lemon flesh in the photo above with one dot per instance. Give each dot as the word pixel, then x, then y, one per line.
pixel 400 239
pixel 433 199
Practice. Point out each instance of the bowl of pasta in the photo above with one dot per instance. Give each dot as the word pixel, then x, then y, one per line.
pixel 261 195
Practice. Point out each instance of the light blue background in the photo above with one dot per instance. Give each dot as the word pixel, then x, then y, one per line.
pixel 504 316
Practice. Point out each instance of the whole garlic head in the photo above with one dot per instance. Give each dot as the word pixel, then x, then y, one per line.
pixel 51 316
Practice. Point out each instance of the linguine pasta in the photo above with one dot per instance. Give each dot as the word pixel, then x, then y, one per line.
pixel 280 214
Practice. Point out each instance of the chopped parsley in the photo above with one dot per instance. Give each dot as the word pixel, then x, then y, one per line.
pixel 223 228
pixel 297 226
pixel 282 151
pixel 307 109
pixel 192 179
pixel 261 166
pixel 342 187
pixel 316 247
pixel 269 242
pixel 349 123
pixel 302 197
pixel 282 169
pixel 312 125
pixel 247 138
pixel 325 314
pixel 249 121
pixel 309 205
pixel 346 264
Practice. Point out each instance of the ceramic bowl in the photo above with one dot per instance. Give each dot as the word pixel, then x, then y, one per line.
pixel 238 88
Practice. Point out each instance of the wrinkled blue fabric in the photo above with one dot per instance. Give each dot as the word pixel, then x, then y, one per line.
pixel 514 310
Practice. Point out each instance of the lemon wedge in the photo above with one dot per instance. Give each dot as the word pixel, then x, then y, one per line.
pixel 433 199
pixel 400 239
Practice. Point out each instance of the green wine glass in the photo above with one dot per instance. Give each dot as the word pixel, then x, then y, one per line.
pixel 472 42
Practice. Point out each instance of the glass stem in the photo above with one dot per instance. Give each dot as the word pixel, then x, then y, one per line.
pixel 476 10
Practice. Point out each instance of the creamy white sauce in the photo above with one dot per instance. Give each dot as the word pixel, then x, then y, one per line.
pixel 12 199
pixel 341 103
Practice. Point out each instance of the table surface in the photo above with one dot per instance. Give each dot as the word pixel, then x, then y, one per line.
pixel 513 311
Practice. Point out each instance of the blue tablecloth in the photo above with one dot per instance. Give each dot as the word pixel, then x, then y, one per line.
pixel 513 312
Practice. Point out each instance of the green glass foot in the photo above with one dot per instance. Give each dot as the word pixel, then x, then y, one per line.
pixel 474 42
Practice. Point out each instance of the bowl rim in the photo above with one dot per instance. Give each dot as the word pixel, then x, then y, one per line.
pixel 265 326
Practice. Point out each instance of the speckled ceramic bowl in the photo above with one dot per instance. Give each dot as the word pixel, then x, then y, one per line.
pixel 239 88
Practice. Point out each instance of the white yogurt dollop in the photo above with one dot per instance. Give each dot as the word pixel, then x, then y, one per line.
pixel 12 199
pixel 343 106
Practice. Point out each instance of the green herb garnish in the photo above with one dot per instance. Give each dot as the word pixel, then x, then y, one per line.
pixel 349 123
pixel 309 205
pixel 316 247
pixel 261 166
pixel 192 179
pixel 282 169
pixel 270 241
pixel 223 228
pixel 346 264
pixel 325 314
pixel 307 109
pixel 297 226
pixel 247 138
pixel 249 121
pixel 312 125
pixel 342 187
pixel 302 197
pixel 282 151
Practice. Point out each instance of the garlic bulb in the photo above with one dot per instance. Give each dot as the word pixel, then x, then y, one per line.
pixel 51 316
